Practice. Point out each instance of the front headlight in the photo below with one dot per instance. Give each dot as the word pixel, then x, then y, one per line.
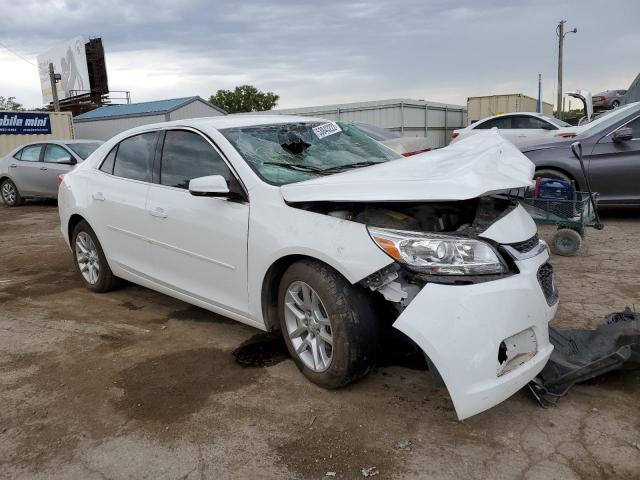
pixel 438 254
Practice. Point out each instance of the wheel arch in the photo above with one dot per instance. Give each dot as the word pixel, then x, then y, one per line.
pixel 74 220
pixel 559 170
pixel 271 283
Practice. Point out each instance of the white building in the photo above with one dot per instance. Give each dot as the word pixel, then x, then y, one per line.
pixel 105 122
pixel 410 118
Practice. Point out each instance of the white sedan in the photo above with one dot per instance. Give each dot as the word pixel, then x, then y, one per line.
pixel 519 128
pixel 312 228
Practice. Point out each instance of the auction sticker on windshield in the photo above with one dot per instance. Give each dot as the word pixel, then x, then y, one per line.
pixel 326 129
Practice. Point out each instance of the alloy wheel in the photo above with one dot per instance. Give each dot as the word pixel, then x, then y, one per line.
pixel 308 326
pixel 8 193
pixel 87 258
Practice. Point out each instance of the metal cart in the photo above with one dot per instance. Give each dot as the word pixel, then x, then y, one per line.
pixel 570 216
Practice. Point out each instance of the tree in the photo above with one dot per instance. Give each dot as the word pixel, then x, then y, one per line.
pixel 9 103
pixel 245 98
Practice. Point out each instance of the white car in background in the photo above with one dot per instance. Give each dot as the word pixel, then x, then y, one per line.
pixel 313 228
pixel 520 127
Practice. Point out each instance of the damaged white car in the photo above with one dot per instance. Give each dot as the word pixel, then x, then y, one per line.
pixel 313 228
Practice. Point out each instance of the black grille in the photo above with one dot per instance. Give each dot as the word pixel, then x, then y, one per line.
pixel 545 278
pixel 527 245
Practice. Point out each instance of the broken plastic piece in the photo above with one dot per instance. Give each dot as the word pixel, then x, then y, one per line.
pixel 580 355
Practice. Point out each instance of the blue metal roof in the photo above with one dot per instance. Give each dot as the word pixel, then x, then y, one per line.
pixel 157 107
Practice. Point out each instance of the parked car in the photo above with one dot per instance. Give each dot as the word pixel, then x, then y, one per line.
pixel 519 127
pixel 32 170
pixel 311 227
pixel 611 151
pixel 608 99
pixel 405 146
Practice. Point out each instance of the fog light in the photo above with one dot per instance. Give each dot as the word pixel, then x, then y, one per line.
pixel 516 350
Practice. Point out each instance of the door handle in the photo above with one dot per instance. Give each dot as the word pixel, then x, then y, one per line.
pixel 13 165
pixel 158 212
pixel 43 168
pixel 99 196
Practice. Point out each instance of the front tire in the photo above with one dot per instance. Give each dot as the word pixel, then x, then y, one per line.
pixel 10 194
pixel 328 325
pixel 90 260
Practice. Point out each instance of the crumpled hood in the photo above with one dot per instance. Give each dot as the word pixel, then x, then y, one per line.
pixel 479 165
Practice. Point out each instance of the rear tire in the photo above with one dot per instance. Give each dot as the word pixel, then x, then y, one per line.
pixel 10 194
pixel 555 174
pixel 90 260
pixel 340 311
pixel 615 104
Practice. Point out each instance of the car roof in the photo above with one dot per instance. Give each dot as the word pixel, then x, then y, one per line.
pixel 226 121
pixel 508 114
pixel 59 142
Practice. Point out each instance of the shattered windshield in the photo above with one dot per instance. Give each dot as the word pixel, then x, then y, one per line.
pixel 291 152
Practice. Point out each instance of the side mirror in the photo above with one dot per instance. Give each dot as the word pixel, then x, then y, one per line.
pixel 210 186
pixel 68 160
pixel 623 134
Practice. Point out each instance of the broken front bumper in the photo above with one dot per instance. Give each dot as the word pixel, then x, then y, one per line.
pixel 470 331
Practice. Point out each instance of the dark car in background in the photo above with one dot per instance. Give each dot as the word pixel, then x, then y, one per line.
pixel 608 99
pixel 611 152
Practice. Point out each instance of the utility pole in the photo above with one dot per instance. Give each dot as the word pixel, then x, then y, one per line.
pixel 539 93
pixel 561 34
pixel 54 78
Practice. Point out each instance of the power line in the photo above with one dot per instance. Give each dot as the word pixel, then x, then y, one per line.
pixel 17 54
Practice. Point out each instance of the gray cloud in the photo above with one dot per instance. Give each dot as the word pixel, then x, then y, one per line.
pixel 331 51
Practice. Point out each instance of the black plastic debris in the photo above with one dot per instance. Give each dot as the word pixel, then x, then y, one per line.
pixel 580 355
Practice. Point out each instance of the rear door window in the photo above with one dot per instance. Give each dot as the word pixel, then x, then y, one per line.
pixel 523 121
pixel 134 158
pixel 55 152
pixel 31 154
pixel 502 123
pixel 185 156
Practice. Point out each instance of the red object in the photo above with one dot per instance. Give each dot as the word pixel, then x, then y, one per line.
pixel 454 135
pixel 408 154
pixel 566 134
pixel 598 99
pixel 536 188
pixel 60 178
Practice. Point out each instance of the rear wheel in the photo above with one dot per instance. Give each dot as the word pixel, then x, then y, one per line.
pixel 551 173
pixel 328 325
pixel 615 104
pixel 90 260
pixel 10 195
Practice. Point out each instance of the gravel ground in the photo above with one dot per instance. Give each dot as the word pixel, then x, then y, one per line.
pixel 134 384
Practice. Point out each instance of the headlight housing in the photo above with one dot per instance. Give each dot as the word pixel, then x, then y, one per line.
pixel 438 254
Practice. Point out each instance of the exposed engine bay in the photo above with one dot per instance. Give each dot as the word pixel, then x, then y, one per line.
pixel 463 217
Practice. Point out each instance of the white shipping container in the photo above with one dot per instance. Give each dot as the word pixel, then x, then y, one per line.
pixel 12 124
pixel 410 118
pixel 487 106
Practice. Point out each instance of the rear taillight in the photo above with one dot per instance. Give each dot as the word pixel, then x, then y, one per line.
pixel 454 135
pixel 408 154
pixel 60 178
pixel 598 99
pixel 566 134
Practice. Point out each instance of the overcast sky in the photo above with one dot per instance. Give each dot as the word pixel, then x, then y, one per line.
pixel 319 52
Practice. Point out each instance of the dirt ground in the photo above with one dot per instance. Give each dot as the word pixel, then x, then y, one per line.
pixel 134 384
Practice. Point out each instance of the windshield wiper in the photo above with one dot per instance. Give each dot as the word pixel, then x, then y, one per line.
pixel 300 168
pixel 342 168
